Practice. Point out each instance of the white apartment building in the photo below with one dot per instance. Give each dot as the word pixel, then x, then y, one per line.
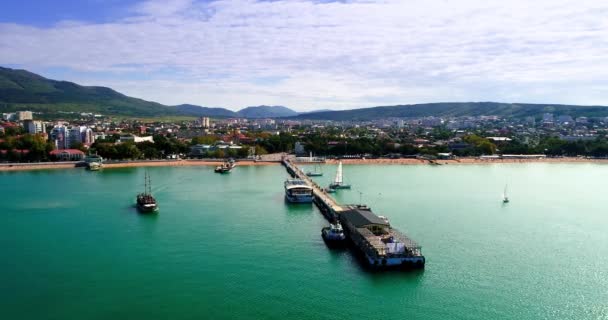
pixel 34 126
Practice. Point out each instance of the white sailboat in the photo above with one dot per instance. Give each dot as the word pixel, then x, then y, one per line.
pixel 339 181
pixel 316 173
pixel 505 198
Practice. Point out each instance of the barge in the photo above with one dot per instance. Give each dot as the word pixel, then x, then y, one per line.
pixel 381 245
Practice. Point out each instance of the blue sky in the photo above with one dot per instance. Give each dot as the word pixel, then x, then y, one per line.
pixel 45 13
pixel 317 54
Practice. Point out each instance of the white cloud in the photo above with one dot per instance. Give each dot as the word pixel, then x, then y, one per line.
pixel 339 55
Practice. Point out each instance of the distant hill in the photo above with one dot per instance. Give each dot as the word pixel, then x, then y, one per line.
pixel 266 112
pixel 20 89
pixel 454 109
pixel 315 111
pixel 198 111
pixel 23 90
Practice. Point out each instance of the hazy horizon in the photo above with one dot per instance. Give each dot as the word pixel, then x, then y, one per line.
pixel 310 55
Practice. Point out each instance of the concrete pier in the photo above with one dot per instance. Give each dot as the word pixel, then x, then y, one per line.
pixel 382 246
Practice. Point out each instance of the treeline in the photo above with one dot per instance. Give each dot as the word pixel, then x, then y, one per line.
pixel 552 146
pixel 471 145
pixel 25 148
pixel 163 147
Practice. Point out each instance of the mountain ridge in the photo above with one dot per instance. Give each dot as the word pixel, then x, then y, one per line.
pixel 24 90
pixel 264 111
pixel 455 109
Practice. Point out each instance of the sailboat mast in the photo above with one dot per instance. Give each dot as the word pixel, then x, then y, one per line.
pixel 149 191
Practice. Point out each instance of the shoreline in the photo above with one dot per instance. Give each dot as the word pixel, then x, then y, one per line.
pixel 461 161
pixel 129 164
pixel 8 167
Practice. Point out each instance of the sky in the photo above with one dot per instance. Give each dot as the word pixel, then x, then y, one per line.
pixel 311 55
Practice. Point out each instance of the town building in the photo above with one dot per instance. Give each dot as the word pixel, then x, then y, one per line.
pixel 34 126
pixel 67 155
pixel 60 137
pixel 24 115
pixel 135 139
pixel 205 123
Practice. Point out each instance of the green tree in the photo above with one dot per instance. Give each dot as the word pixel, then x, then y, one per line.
pixel 149 150
pixel 204 140
pixel 128 150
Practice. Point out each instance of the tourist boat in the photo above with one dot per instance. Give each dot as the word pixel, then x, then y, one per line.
pixel 94 166
pixel 338 181
pixel 505 198
pixel 297 191
pixel 316 173
pixel 145 201
pixel 225 167
pixel 93 158
pixel 334 233
pixel 231 163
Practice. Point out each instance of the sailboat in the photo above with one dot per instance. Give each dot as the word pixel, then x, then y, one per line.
pixel 145 201
pixel 338 181
pixel 316 173
pixel 505 198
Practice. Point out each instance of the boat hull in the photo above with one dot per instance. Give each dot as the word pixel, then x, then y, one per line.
pixel 312 174
pixel 339 186
pixel 299 198
pixel 145 209
pixel 331 238
pixel 396 263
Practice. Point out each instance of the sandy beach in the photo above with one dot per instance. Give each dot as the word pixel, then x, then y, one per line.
pixel 466 161
pixel 189 163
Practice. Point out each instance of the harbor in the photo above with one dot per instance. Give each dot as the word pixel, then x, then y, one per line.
pixel 206 244
pixel 381 245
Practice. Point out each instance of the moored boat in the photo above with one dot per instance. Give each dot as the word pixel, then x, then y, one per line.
pixel 316 173
pixel 297 191
pixel 225 167
pixel 94 166
pixel 381 245
pixel 146 203
pixel 339 179
pixel 333 234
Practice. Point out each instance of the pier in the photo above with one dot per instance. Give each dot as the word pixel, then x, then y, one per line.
pixel 382 245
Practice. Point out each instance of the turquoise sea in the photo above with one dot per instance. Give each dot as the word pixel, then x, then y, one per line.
pixel 229 247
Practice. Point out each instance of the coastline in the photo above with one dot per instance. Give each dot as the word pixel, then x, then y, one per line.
pixel 461 161
pixel 126 164
pixel 7 167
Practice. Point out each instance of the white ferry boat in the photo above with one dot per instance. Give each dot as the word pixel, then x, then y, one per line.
pixel 297 191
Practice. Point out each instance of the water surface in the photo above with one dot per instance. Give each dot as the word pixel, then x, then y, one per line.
pixel 228 246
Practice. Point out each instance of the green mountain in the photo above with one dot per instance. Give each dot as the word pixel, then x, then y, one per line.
pixel 266 112
pixel 21 89
pixel 198 111
pixel 455 109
